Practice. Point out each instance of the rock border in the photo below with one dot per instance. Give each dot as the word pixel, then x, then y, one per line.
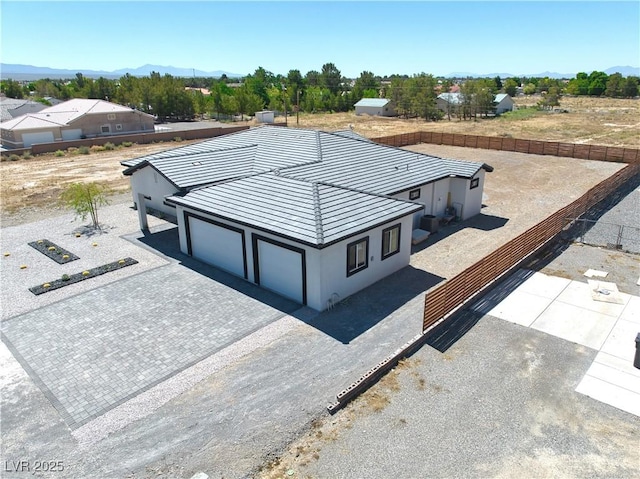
pixel 66 280
pixel 57 254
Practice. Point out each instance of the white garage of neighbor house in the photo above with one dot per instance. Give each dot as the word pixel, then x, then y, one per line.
pixel 313 216
pixel 375 107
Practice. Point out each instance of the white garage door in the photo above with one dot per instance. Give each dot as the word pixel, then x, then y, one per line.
pixel 32 138
pixel 217 245
pixel 281 270
pixel 74 134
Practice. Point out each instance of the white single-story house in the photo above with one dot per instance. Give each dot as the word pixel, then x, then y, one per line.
pixel 449 102
pixel 311 215
pixel 11 108
pixel 73 120
pixel 375 107
pixel 504 103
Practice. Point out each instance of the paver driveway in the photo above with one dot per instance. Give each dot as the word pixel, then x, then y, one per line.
pixel 94 351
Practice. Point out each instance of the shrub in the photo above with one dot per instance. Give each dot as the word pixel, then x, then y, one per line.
pixel 65 277
pixel 97 148
pixel 84 150
pixel 27 155
pixel 127 144
pixel 177 138
pixel 109 146
pixel 59 153
pixel 14 157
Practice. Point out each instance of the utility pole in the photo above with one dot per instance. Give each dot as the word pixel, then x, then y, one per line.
pixel 298 107
pixel 284 99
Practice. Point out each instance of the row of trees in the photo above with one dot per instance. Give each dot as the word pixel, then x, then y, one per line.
pixel 323 90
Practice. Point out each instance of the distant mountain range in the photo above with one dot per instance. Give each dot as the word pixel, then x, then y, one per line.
pixel 30 72
pixel 624 71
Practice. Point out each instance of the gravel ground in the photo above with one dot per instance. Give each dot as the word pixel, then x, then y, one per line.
pixel 521 191
pixel 499 403
pixel 116 220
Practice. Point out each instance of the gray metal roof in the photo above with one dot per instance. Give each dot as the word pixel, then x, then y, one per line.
pixel 375 102
pixel 314 213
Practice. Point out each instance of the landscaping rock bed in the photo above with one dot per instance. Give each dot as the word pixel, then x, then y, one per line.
pixel 66 280
pixel 53 251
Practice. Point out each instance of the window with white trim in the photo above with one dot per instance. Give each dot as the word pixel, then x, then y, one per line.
pixel 111 116
pixel 414 194
pixel 105 128
pixel 390 241
pixel 357 256
pixel 474 183
pixel 118 126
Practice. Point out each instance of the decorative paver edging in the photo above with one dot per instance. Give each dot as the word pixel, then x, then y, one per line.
pixel 53 251
pixel 77 277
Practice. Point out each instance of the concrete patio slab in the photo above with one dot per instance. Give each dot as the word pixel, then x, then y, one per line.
pixel 575 324
pixel 521 308
pixel 544 285
pixel 621 342
pixel 631 312
pixel 579 294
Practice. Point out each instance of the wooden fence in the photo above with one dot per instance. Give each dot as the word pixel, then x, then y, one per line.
pixel 447 297
pixel 534 147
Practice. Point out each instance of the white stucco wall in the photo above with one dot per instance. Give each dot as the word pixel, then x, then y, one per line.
pixel 152 184
pixel 326 269
pixel 334 263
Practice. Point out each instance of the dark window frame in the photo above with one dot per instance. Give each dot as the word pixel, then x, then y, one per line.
pixel 384 256
pixel 475 182
pixel 412 194
pixel 355 244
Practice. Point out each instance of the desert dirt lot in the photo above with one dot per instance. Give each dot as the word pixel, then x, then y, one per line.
pixel 30 187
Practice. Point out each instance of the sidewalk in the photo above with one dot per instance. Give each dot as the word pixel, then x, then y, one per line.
pixel 567 309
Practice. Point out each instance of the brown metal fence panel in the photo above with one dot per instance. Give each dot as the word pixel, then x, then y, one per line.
pixel 447 139
pixel 631 155
pixel 459 140
pixel 550 148
pixel 482 142
pixel 615 154
pixel 536 147
pixel 598 153
pixel 471 141
pixel 508 144
pixel 448 296
pixel 566 149
pixel 581 151
pixel 495 143
pixel 522 146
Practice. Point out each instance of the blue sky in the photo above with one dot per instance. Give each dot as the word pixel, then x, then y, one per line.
pixel 383 37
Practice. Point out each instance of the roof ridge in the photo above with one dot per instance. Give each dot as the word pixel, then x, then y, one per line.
pixel 317 212
pixel 319 143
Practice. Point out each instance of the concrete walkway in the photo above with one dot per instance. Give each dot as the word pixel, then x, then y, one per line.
pixel 571 310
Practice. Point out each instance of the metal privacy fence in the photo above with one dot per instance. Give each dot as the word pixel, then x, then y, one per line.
pixel 607 235
pixel 534 147
pixel 447 297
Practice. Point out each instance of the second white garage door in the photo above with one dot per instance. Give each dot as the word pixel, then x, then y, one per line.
pixel 280 268
pixel 32 138
pixel 217 245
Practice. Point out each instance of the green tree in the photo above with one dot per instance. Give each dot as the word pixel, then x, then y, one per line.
pixel 510 87
pixel 11 88
pixel 295 83
pixel 330 78
pixel 630 88
pixel 85 199
pixel 615 84
pixel 550 99
pixel 498 84
pixel 366 86
pixel 529 89
pixel 597 83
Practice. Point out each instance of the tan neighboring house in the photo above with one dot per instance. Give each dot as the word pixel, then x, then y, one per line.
pixel 11 108
pixel 73 120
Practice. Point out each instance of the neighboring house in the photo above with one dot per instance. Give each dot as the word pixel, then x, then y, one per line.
pixel 313 216
pixel 12 108
pixel 449 102
pixel 504 103
pixel 73 120
pixel 375 107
